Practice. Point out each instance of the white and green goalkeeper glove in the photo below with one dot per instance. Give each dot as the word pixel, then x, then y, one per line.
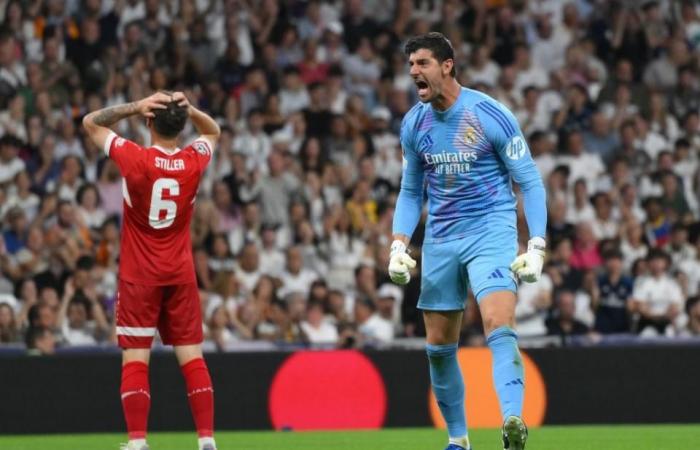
pixel 400 264
pixel 528 266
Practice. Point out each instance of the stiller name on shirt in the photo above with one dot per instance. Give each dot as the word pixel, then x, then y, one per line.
pixel 170 164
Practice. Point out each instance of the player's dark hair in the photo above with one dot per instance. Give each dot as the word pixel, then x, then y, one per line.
pixel 437 43
pixel 169 122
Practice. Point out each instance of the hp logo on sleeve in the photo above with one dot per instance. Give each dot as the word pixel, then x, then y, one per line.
pixel 516 148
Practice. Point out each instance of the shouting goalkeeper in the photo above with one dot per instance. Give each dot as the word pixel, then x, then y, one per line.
pixel 464 148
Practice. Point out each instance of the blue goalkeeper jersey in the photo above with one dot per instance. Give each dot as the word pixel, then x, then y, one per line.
pixel 464 159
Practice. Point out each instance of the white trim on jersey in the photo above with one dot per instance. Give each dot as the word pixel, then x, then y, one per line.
pixel 167 151
pixel 125 193
pixel 108 142
pixel 136 331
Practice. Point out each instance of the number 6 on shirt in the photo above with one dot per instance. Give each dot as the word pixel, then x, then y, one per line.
pixel 158 204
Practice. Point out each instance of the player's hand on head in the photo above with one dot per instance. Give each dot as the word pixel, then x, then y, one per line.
pixel 159 100
pixel 400 264
pixel 181 99
pixel 528 266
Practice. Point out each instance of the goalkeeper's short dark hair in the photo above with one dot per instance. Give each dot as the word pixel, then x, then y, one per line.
pixel 437 43
pixel 169 122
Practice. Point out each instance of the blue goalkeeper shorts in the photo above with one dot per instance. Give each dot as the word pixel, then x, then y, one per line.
pixel 480 261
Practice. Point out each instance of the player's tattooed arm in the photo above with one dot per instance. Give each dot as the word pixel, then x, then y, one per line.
pixel 97 123
pixel 109 116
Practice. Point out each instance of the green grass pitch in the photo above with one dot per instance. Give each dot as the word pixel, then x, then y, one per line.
pixel 646 437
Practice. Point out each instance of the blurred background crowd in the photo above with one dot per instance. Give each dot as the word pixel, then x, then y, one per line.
pixel 292 225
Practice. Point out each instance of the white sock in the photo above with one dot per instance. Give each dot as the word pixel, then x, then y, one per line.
pixel 206 440
pixel 461 441
pixel 137 443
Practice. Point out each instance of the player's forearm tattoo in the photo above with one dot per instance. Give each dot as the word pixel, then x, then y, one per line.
pixel 109 116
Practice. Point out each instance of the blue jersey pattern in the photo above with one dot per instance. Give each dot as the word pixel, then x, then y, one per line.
pixel 464 158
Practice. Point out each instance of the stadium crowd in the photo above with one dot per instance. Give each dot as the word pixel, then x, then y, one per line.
pixel 293 220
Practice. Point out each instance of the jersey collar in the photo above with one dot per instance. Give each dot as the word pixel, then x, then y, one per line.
pixel 166 151
pixel 443 115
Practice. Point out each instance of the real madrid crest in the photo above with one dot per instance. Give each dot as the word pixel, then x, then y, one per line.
pixel 470 135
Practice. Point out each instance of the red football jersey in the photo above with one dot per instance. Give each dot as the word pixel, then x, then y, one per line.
pixel 159 188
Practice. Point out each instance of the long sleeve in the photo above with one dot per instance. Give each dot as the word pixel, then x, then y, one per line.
pixel 503 132
pixel 410 202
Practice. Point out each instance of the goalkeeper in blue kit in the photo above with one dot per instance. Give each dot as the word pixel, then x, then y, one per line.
pixel 463 148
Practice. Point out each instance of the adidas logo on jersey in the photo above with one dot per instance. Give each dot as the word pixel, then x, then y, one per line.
pixel 426 143
pixel 496 274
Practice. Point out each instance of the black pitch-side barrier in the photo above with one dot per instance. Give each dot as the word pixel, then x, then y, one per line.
pixel 80 392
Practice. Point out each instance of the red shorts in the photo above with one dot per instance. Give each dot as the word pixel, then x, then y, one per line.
pixel 174 310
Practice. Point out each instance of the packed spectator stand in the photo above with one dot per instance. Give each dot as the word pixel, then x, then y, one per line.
pixel 293 220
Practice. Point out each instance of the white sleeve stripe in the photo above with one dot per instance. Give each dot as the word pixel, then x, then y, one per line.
pixel 108 142
pixel 136 331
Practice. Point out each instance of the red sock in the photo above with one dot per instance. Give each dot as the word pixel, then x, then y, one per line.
pixel 136 398
pixel 200 394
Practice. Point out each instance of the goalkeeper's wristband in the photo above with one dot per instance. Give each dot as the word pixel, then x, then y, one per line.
pixel 397 247
pixel 537 245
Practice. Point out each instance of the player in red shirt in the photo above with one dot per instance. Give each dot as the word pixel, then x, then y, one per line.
pixel 157 285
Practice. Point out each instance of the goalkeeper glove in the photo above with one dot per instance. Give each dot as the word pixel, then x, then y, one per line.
pixel 528 266
pixel 400 264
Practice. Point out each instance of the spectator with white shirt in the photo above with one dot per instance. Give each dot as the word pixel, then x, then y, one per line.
pixel 532 114
pixel 580 208
pixel 389 304
pixel 68 142
pixel 534 301
pixel 601 139
pixel 10 163
pixel 293 94
pixel 254 142
pixel 21 195
pixel 89 211
pixel 316 328
pixel 81 317
pixel 528 74
pixel 218 328
pixel 481 68
pixel 295 277
pixel 372 328
pixel 582 164
pixel 549 45
pixel 658 299
pixel 13 120
pixel 272 259
pixel 247 267
pixel 605 225
pixel 542 149
pixel 632 244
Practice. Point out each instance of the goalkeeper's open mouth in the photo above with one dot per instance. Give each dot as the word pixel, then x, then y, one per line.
pixel 423 88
